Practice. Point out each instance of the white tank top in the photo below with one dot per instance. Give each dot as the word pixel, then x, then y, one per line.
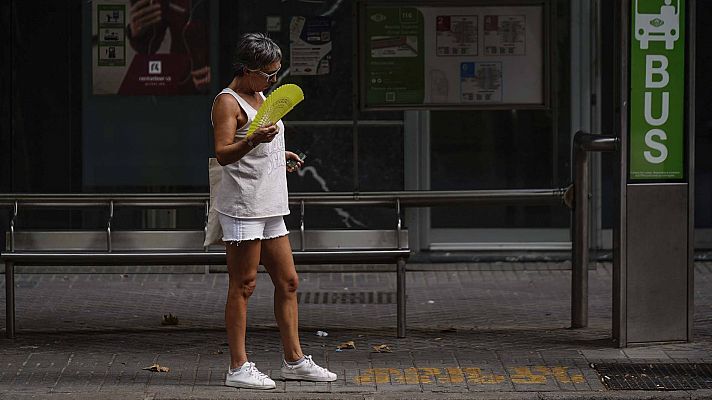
pixel 254 186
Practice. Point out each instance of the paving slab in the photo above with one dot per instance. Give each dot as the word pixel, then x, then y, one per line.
pixel 475 331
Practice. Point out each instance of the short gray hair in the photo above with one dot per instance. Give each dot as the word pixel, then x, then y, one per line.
pixel 254 51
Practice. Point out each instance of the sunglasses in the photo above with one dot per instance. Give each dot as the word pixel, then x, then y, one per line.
pixel 266 75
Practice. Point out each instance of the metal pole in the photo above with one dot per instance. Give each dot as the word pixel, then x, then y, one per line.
pixel 400 294
pixel 355 93
pixel 398 225
pixel 583 143
pixel 12 227
pixel 10 299
pixel 579 259
pixel 205 226
pixel 408 198
pixel 302 233
pixel 109 244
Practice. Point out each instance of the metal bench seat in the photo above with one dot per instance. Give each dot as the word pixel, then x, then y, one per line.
pixel 110 247
pixel 176 247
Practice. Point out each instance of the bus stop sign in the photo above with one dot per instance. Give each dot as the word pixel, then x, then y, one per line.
pixel 657 91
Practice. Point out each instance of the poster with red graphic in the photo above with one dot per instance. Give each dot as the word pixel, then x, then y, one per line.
pixel 456 35
pixel 150 47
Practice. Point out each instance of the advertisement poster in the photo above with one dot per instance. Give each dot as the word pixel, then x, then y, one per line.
pixel 505 35
pixel 657 91
pixel 150 47
pixel 454 56
pixel 456 35
pixel 481 82
pixel 111 40
pixel 394 56
pixel 310 45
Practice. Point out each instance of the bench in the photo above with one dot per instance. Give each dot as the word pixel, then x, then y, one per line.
pixel 173 247
pixel 185 247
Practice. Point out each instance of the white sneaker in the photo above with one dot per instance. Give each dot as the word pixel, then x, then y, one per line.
pixel 248 377
pixel 307 370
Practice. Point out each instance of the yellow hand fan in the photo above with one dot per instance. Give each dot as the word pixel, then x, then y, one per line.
pixel 276 106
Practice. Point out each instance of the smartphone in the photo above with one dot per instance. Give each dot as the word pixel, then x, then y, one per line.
pixel 293 163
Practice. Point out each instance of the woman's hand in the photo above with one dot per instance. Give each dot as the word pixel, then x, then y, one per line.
pixel 296 161
pixel 264 134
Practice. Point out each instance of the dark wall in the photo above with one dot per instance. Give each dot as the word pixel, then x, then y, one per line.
pixel 5 113
pixel 46 88
pixel 5 98
pixel 703 117
pixel 40 86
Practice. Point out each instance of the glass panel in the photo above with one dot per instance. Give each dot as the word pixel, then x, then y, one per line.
pixel 328 96
pixel 329 163
pixel 495 150
pixel 238 17
pixel 29 218
pixel 329 168
pixel 491 150
pixel 144 143
pixel 134 218
pixel 500 217
pixel 318 217
pixel 511 149
pixel 152 144
pixel 380 163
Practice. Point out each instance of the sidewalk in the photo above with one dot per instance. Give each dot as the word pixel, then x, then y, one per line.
pixel 489 330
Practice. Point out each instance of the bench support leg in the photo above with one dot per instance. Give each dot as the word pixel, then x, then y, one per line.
pixel 10 300
pixel 400 294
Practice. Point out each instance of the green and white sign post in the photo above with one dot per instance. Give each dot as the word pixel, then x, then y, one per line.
pixel 653 237
pixel 657 91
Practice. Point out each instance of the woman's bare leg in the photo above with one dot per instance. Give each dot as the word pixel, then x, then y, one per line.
pixel 242 262
pixel 277 259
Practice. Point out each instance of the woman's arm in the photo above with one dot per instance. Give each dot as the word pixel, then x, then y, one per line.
pixel 227 115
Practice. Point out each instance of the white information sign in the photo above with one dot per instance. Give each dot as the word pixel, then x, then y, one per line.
pixel 456 35
pixel 310 45
pixel 481 82
pixel 505 35
pixel 448 56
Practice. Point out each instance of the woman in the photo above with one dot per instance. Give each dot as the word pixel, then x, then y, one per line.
pixel 251 203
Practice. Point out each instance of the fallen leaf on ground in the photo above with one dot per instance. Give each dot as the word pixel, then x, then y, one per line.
pixel 169 319
pixel 346 345
pixel 382 348
pixel 157 368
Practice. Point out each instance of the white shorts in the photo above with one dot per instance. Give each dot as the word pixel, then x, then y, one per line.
pixel 236 230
